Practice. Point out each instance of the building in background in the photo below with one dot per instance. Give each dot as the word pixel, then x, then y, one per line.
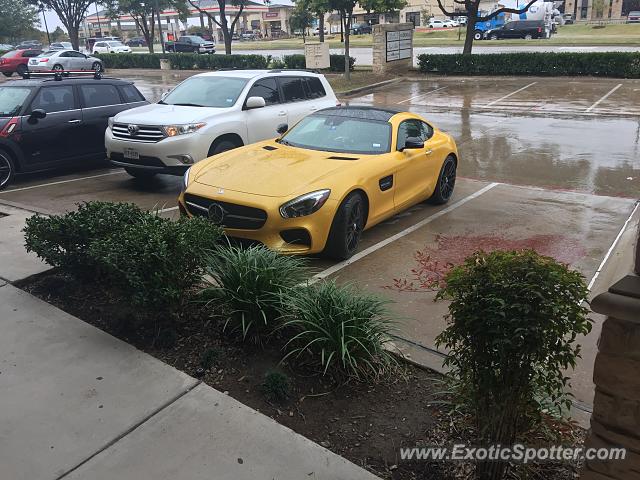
pixel 416 12
pixel 588 9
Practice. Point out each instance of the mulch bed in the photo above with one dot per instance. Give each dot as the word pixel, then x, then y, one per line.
pixel 365 423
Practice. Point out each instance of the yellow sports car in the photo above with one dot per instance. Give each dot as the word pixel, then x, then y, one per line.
pixel 315 189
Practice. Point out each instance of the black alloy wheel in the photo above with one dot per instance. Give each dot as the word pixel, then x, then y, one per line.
pixel 7 169
pixel 347 227
pixel 446 182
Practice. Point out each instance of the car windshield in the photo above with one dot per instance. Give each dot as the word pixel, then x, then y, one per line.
pixel 115 44
pixel 10 54
pixel 48 53
pixel 340 134
pixel 208 91
pixel 11 99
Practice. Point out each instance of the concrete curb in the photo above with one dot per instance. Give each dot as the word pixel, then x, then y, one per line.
pixel 372 86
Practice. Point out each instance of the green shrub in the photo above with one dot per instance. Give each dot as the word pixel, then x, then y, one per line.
pixel 130 60
pixel 184 61
pixel 336 61
pixel 276 387
pixel 157 261
pixel 340 330
pixel 513 322
pixel 65 241
pixel 249 284
pixel 597 64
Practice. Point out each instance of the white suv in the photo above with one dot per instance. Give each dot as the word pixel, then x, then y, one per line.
pixel 111 46
pixel 210 113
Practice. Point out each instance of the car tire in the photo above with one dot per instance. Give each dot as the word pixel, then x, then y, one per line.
pixel 140 173
pixel 446 182
pixel 96 67
pixel 7 169
pixel 346 228
pixel 528 36
pixel 58 68
pixel 21 69
pixel 477 35
pixel 221 146
pixel 7 74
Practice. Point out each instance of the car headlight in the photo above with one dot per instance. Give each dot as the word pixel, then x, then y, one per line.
pixel 110 122
pixel 305 204
pixel 173 130
pixel 185 180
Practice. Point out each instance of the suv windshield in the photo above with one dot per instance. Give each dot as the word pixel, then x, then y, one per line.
pixel 11 99
pixel 340 134
pixel 219 92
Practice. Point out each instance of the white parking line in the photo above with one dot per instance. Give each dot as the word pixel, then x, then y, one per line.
pixel 612 247
pixel 373 248
pixel 603 98
pixel 421 95
pixel 119 172
pixel 168 209
pixel 508 95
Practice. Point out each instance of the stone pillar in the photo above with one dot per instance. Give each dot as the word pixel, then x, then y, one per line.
pixel 392 47
pixel 615 421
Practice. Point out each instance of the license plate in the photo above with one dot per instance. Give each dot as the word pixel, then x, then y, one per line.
pixel 131 154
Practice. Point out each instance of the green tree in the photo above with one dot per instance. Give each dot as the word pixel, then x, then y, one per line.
pixel 59 35
pixel 472 12
pixel 301 19
pixel 70 12
pixel 318 8
pixel 16 17
pixel 227 28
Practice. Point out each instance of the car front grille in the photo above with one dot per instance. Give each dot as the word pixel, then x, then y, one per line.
pixel 145 133
pixel 233 215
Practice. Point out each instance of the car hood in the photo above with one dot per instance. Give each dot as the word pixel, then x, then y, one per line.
pixel 274 171
pixel 158 114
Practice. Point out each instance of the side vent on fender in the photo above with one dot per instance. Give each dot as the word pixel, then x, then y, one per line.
pixel 386 183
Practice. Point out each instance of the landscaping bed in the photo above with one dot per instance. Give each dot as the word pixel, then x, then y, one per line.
pixel 365 423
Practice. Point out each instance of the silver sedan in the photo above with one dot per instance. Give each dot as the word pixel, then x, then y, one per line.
pixel 64 61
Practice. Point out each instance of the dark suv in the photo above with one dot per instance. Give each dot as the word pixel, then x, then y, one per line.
pixel 51 122
pixel 526 29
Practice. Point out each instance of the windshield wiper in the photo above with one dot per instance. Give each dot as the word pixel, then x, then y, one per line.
pixel 282 141
pixel 188 104
pixel 162 102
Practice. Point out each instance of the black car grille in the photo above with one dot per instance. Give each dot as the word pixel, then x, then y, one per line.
pixel 229 215
pixel 145 133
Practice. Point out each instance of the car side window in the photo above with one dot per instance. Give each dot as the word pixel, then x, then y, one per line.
pixel 314 88
pixel 54 99
pixel 292 89
pixel 266 88
pixel 131 94
pixel 30 53
pixel 413 128
pixel 75 54
pixel 100 95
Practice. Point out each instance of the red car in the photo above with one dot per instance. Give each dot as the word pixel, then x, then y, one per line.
pixel 16 61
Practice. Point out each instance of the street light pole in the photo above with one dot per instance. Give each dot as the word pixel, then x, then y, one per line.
pixel 159 25
pixel 98 16
pixel 46 27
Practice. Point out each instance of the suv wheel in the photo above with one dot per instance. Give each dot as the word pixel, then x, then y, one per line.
pixel 477 35
pixel 96 67
pixel 7 169
pixel 222 146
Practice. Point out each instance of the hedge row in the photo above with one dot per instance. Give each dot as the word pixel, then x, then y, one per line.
pixel 183 61
pixel 604 64
pixel 189 61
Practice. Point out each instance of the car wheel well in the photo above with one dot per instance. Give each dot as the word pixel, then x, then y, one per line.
pixel 455 158
pixel 230 137
pixel 7 151
pixel 366 201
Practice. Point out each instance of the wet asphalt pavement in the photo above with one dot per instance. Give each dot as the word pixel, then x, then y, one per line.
pixel 545 163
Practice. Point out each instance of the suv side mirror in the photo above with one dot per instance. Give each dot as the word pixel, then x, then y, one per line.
pixel 412 143
pixel 37 114
pixel 255 102
pixel 282 128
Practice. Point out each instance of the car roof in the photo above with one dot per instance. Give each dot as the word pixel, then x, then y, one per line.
pixel 257 73
pixel 34 82
pixel 361 112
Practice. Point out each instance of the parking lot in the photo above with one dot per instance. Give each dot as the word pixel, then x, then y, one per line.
pixel 550 164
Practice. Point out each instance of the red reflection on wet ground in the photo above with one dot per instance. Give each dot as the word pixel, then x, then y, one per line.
pixel 432 263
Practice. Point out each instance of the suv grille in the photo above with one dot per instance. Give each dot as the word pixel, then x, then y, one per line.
pixel 145 133
pixel 233 215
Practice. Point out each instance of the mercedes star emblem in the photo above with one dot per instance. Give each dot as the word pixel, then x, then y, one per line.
pixel 216 213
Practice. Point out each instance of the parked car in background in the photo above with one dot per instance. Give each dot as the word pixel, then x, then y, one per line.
pixel 5 47
pixel 568 18
pixel 91 41
pixel 316 31
pixel 111 46
pixel 212 112
pixel 437 23
pixel 29 44
pixel 360 29
pixel 191 43
pixel 136 42
pixel 64 61
pixel 633 17
pixel 526 29
pixel 16 61
pixel 46 123
pixel 61 46
pixel 248 35
pixel 334 174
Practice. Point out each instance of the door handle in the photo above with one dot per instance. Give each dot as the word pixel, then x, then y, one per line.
pixel 75 121
pixel 282 113
pixel 428 152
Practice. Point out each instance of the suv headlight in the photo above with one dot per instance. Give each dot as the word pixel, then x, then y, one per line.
pixel 305 204
pixel 173 130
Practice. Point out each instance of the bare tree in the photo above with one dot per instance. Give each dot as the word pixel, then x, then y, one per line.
pixel 70 12
pixel 227 30
pixel 472 9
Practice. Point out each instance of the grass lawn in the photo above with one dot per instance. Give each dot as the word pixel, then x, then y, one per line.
pixel 358 79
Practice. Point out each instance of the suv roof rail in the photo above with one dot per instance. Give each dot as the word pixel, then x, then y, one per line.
pixel 280 70
pixel 58 76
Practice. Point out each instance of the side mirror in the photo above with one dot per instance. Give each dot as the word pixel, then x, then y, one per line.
pixel 282 128
pixel 255 102
pixel 37 114
pixel 413 143
pixel 164 95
